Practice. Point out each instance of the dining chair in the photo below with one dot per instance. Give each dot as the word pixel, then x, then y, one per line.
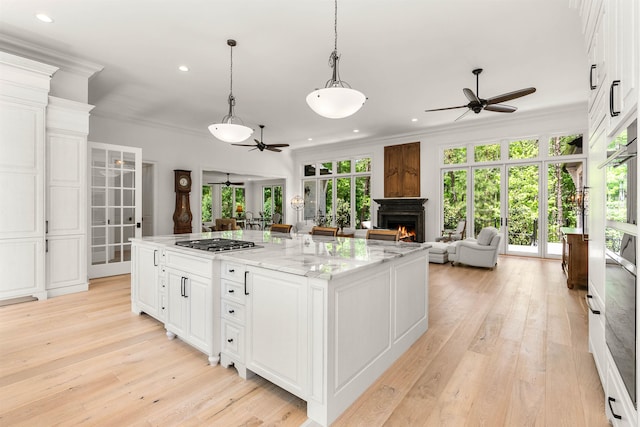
pixel 389 235
pixel 324 231
pixel 281 228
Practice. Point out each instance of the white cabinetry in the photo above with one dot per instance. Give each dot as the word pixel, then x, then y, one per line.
pixel 149 280
pixel 24 89
pixel 277 343
pixel 191 309
pixel 619 408
pixel 66 196
pixel 233 313
pixel 622 61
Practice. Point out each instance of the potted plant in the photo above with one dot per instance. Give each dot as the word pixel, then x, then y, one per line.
pixel 343 214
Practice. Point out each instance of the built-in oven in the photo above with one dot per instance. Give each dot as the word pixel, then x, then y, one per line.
pixel 620 304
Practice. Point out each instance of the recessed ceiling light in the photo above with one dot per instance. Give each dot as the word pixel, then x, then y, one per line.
pixel 414 120
pixel 44 18
pixel 356 130
pixel 309 139
pixel 183 68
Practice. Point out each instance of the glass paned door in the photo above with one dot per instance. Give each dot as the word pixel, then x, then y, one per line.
pixel 563 181
pixel 523 183
pixel 115 207
pixel 454 197
pixel 486 199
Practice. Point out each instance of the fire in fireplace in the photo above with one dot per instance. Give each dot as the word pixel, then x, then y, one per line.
pixel 407 235
pixel 403 212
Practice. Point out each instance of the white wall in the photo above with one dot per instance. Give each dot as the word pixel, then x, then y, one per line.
pixel 542 125
pixel 171 148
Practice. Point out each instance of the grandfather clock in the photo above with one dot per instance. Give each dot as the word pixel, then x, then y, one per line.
pixel 182 215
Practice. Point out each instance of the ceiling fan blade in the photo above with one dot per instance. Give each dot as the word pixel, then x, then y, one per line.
pixel 470 95
pixel 499 108
pixel 462 115
pixel 511 95
pixel 277 145
pixel 244 145
pixel 447 108
pixel 236 183
pixel 270 148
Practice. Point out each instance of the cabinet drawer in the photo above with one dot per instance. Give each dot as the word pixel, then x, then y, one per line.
pixel 232 271
pixel 233 311
pixel 233 340
pixel 232 291
pixel 617 401
pixel 193 264
pixel 597 344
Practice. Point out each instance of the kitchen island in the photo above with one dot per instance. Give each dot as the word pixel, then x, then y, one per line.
pixel 321 317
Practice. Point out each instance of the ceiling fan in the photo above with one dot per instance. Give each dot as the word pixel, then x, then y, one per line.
pixel 477 104
pixel 262 146
pixel 227 182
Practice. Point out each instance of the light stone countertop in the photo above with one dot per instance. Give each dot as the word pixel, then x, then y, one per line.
pixel 300 254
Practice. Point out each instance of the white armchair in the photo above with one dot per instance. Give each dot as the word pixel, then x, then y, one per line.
pixel 480 252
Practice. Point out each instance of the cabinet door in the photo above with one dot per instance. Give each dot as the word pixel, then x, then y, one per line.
pixel 277 328
pixel 200 312
pixel 145 279
pixel 392 171
pixel 411 170
pixel 176 306
pixel 22 245
pixel 622 58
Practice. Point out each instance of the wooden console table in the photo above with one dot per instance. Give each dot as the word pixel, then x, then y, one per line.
pixel 575 256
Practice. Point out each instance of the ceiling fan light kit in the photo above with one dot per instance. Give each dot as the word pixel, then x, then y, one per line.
pixel 477 104
pixel 337 99
pixel 231 128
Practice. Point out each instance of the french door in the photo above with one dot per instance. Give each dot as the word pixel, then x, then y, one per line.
pixel 528 203
pixel 115 207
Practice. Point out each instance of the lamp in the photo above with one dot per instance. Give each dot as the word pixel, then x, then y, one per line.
pixel 231 128
pixel 239 210
pixel 337 99
pixel 297 203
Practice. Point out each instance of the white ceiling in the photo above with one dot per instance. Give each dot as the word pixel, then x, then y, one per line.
pixel 405 55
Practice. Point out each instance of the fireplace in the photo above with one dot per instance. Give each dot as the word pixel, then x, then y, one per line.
pixel 403 212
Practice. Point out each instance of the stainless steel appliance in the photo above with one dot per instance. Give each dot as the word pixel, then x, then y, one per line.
pixel 217 244
pixel 620 304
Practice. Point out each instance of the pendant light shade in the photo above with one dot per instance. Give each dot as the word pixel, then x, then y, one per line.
pixel 231 128
pixel 337 99
pixel 336 102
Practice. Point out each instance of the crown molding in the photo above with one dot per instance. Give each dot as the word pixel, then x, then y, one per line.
pixel 49 56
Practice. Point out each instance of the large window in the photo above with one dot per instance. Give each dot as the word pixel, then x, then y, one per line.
pixel 338 192
pixel 231 197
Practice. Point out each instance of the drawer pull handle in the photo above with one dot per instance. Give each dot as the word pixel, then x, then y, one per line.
pixel 616 416
pixel 231 270
pixel 588 299
pixel 612 110
pixel 230 340
pixel 231 291
pixel 231 311
pixel 591 85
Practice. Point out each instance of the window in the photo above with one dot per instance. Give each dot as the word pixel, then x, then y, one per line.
pixel 272 202
pixel 523 149
pixel 343 191
pixel 486 153
pixel 455 156
pixel 231 197
pixel 565 145
pixel 206 204
pixel 454 197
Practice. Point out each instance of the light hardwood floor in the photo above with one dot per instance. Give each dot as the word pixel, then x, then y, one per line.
pixel 504 348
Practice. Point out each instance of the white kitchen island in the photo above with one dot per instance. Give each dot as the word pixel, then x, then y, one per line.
pixel 322 318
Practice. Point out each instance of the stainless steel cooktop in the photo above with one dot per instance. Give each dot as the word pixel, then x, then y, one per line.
pixel 217 244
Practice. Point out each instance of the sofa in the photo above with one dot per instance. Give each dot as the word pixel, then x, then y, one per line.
pixel 480 252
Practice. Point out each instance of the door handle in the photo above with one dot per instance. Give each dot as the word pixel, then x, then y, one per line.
pixel 588 299
pixel 245 283
pixel 155 260
pixel 591 85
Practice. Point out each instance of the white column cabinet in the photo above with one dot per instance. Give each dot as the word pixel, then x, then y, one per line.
pixel 66 196
pixel 24 89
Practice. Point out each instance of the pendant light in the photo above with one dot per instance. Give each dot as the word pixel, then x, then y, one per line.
pixel 337 99
pixel 231 128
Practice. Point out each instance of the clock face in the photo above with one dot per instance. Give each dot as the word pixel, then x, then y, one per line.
pixel 184 181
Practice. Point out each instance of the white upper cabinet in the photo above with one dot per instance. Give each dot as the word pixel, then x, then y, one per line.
pixel 622 61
